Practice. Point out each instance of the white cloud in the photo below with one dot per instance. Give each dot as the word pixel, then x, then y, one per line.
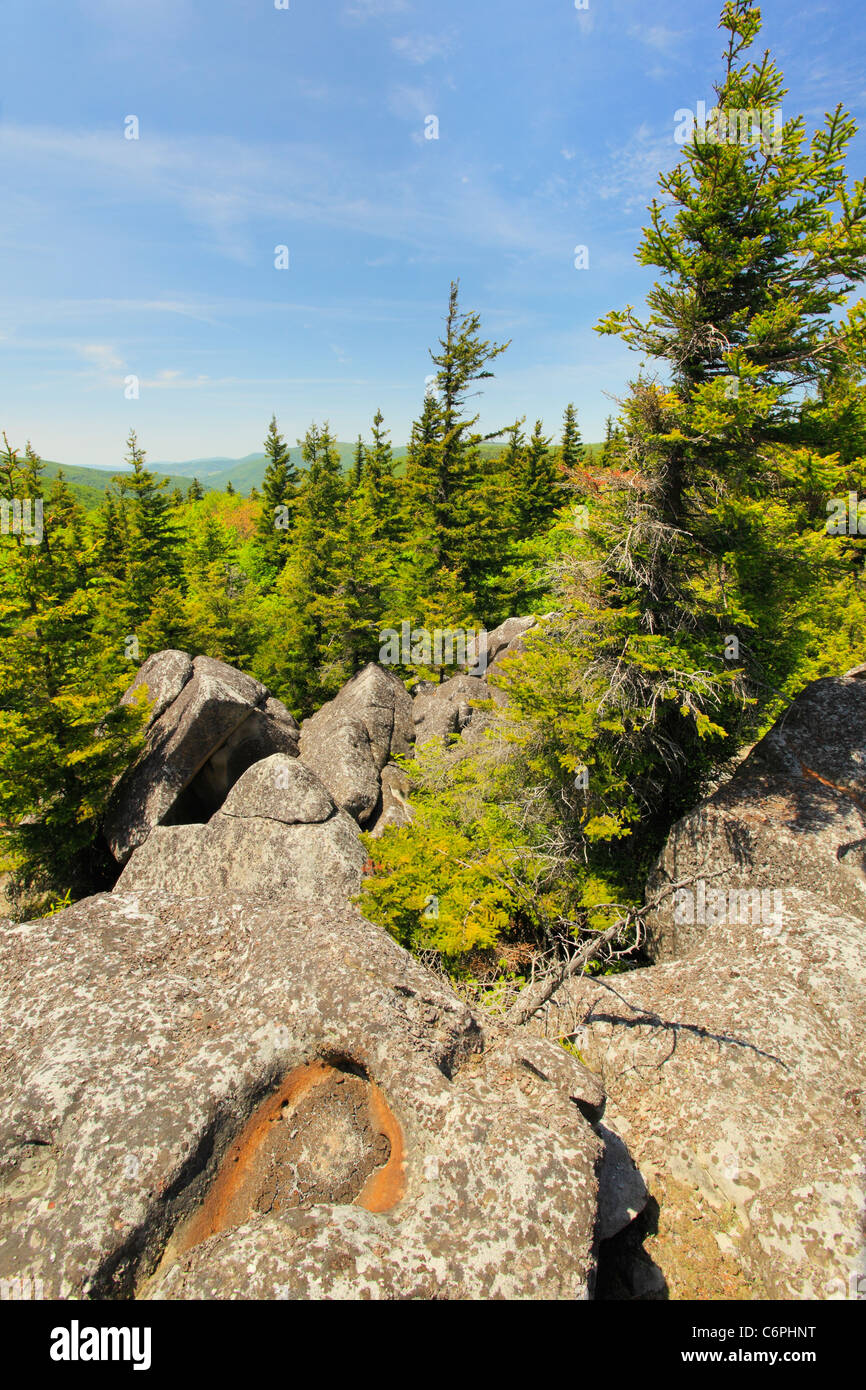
pixel 629 173
pixel 101 355
pixel 374 9
pixel 656 36
pixel 410 103
pixel 422 48
pixel 244 197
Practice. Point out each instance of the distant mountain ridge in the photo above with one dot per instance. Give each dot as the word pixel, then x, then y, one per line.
pixel 89 484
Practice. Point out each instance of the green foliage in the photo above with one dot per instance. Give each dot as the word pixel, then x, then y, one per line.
pixel 462 877
pixel 64 737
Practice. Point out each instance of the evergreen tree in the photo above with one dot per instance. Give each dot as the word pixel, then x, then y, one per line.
pixel 279 495
pixel 539 485
pixel 196 491
pixel 110 542
pixel 153 551
pixel 380 487
pixel 357 465
pixel 64 738
pixel 571 450
pixel 297 654
pixel 756 244
pixel 444 473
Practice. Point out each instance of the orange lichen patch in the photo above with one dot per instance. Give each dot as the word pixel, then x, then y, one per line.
pixel 325 1135
pixel 834 786
pixel 386 1186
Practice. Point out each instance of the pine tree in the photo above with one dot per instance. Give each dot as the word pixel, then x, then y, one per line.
pixel 539 486
pixel 757 245
pixel 379 485
pixel 571 451
pixel 444 470
pixel 109 543
pixel 357 465
pixel 195 492
pixel 297 656
pixel 64 738
pixel 153 550
pixel 279 495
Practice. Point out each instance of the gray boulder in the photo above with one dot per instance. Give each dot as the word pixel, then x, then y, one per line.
pixel 162 677
pixel 738 1072
pixel 225 1098
pixel 350 739
pixel 506 637
pixel 445 711
pixel 794 814
pixel 278 834
pixel 205 736
pixel 394 808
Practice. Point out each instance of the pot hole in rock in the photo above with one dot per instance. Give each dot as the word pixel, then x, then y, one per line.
pixel 324 1136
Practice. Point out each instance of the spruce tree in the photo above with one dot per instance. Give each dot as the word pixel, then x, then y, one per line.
pixel 357 465
pixel 279 494
pixel 444 471
pixel 64 738
pixel 153 549
pixel 758 247
pixel 571 450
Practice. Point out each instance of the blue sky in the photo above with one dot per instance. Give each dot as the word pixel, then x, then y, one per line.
pixel 306 128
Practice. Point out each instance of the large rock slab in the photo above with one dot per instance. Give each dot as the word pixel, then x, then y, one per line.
pixel 350 739
pixel 394 808
pixel 738 1072
pixel 794 814
pixel 278 833
pixel 225 1098
pixel 501 640
pixel 507 639
pixel 445 710
pixel 204 737
pixel 162 677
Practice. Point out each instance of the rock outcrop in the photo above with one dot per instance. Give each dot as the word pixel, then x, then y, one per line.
pixel 208 724
pixel 278 833
pixel 501 641
pixel 442 710
pixel 734 1067
pixel 395 809
pixel 507 639
pixel 738 1072
pixel 793 815
pixel 227 1098
pixel 350 739
pixel 446 711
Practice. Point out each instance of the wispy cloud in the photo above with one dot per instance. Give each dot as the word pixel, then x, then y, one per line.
pixel 360 10
pixel 628 173
pixel 101 355
pixel 422 48
pixel 656 36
